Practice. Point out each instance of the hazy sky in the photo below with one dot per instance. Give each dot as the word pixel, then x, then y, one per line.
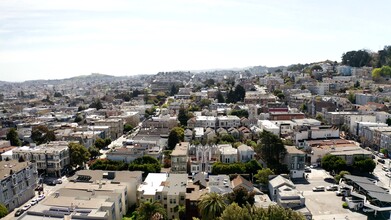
pixel 48 39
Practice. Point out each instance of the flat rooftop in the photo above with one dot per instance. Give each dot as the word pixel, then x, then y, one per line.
pixel 14 165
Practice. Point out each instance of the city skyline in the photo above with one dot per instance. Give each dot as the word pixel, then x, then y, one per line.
pixel 54 40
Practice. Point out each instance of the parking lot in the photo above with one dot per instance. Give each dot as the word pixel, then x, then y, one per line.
pixel 324 204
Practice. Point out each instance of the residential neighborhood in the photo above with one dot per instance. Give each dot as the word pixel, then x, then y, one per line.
pixel 104 147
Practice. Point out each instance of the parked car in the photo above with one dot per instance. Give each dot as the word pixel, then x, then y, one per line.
pixel 50 182
pixel 381 161
pixel 314 166
pixel 388 175
pixel 332 188
pixel 307 170
pixel 340 192
pixel 385 168
pixel 33 202
pixel 18 212
pixel 58 181
pixel 40 197
pixel 367 210
pixel 318 188
pixel 26 207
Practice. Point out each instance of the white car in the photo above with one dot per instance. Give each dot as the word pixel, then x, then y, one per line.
pixel 40 197
pixel 388 175
pixel 26 207
pixel 367 210
pixel 33 202
pixel 318 188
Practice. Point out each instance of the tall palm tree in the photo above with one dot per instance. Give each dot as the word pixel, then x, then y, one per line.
pixel 211 206
pixel 151 210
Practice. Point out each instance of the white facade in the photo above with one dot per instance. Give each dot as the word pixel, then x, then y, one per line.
pixel 228 154
pixel 245 153
pixel 205 121
pixel 269 126
pixel 228 121
pixel 351 121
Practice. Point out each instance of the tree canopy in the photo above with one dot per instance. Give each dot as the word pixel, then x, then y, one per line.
pixel 151 210
pixel 3 211
pixel 241 196
pixel 78 154
pixel 358 58
pixel 263 175
pixel 211 205
pixel 147 164
pixel 271 149
pixel 176 135
pixel 41 134
pixel 333 163
pixel 12 136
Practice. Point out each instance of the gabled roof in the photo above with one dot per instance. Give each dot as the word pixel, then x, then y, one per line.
pixel 240 181
pixel 279 181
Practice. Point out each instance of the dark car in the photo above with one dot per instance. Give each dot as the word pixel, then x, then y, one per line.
pixel 50 182
pixel 39 188
pixel 381 161
pixel 18 212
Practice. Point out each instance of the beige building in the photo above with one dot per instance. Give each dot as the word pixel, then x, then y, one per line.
pixel 179 158
pixel 116 126
pixel 51 158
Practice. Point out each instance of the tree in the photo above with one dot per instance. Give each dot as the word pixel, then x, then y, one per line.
pixel 183 116
pixel 94 151
pixel 388 121
pixel 333 163
pixel 352 98
pixel 57 94
pixel 176 135
pixel 241 196
pixel 151 210
pixel 78 154
pixel 3 211
pixel 220 97
pixel 128 127
pixel 96 104
pixel 263 175
pixel 12 136
pixel 363 165
pixel 147 164
pixel 100 143
pixel 181 210
pixel 235 212
pixel 340 175
pixel 41 134
pixel 228 168
pixel 358 58
pixel 240 113
pixel 107 141
pixel 78 118
pixel 240 93
pixel 211 205
pixel 303 87
pixel 205 102
pixel 271 149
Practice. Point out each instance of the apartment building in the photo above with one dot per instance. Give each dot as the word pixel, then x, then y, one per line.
pixel 51 158
pixel 179 158
pixel 295 160
pixel 228 121
pixel 174 194
pixel 116 126
pixel 18 181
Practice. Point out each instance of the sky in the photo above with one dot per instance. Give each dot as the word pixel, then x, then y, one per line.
pixel 56 39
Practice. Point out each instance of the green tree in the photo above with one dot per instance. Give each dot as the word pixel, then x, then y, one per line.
pixel 363 165
pixel 352 97
pixel 241 196
pixel 12 136
pixel 107 141
pixel 227 138
pixel 128 127
pixel 174 90
pixel 78 118
pixel 388 121
pixel 235 212
pixel 100 143
pixel 151 211
pixel 96 104
pixel 211 206
pixel 41 134
pixel 205 102
pixel 183 116
pixel 252 167
pixel 220 97
pixel 78 154
pixel 263 175
pixel 240 93
pixel 358 58
pixel 340 175
pixel 176 135
pixel 271 149
pixel 240 113
pixel 181 210
pixel 147 164
pixel 333 163
pixel 94 152
pixel 3 211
